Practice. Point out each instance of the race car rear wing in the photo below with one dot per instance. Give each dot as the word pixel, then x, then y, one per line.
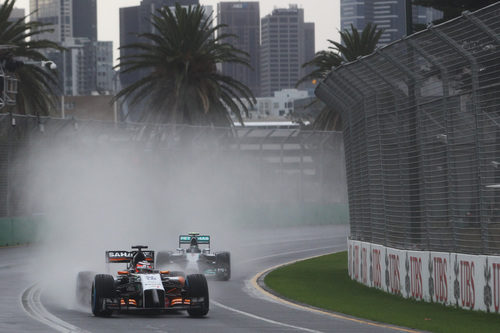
pixel 186 239
pixel 126 256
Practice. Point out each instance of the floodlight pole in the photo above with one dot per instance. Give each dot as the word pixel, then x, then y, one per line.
pixel 115 102
pixel 63 115
pixel 48 64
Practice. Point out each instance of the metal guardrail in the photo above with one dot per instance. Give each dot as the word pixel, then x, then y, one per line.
pixel 421 121
pixel 266 165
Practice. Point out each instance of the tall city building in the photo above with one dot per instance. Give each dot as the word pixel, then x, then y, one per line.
pixel 58 13
pixel 287 43
pixel 309 46
pixel 85 19
pixel 106 78
pixel 17 13
pixel 75 28
pixel 69 18
pixel 425 15
pixel 137 20
pixel 242 19
pixel 74 67
pixel 389 15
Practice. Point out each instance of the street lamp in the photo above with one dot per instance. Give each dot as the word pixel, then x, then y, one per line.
pixel 8 81
pixel 116 87
pixel 49 64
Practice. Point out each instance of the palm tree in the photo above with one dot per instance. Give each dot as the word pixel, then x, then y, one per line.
pixel 353 45
pixel 182 84
pixel 36 84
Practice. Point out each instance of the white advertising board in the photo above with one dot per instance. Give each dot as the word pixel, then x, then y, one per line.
pixel 468 281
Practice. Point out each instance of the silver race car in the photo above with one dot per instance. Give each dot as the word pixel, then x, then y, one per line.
pixel 194 255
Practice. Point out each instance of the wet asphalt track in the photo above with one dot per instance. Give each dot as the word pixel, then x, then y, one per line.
pixel 236 306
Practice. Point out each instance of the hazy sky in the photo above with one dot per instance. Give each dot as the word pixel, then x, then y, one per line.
pixel 324 13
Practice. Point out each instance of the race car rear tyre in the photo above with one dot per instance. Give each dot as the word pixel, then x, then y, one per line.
pixel 102 288
pixel 198 287
pixel 84 281
pixel 223 260
pixel 162 259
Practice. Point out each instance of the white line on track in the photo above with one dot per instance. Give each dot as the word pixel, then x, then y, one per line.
pixel 31 303
pixel 274 322
pixel 33 306
pixel 255 284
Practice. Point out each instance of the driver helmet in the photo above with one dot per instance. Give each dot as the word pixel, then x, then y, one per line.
pixel 138 257
pixel 194 246
pixel 143 267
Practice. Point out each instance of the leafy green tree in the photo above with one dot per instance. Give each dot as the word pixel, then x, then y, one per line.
pixel 36 85
pixel 353 45
pixel 182 84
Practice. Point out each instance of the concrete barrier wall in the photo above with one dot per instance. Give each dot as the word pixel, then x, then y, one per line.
pixel 18 231
pixel 468 281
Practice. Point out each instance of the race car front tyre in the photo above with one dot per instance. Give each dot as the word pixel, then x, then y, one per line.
pixel 197 288
pixel 102 288
pixel 223 264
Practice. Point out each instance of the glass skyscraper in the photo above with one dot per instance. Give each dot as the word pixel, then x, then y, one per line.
pixel 74 24
pixel 58 13
pixel 389 15
pixel 287 43
pixel 243 21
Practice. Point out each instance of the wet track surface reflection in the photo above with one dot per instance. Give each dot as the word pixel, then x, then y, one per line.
pixel 236 306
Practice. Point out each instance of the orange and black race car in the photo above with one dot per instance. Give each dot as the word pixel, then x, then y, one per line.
pixel 140 287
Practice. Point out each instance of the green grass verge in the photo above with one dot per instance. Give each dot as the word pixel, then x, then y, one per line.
pixel 323 282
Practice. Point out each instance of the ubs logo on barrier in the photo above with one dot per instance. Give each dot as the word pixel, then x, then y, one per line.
pixel 377 269
pixel 416 277
pixel 356 262
pixel 496 286
pixel 349 266
pixel 467 289
pixel 394 276
pixel 364 265
pixel 441 280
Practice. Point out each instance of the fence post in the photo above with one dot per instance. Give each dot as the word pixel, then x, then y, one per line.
pixel 414 158
pixel 446 94
pixel 374 92
pixel 9 164
pixel 282 164
pixel 474 90
pixel 346 115
pixel 478 23
pixel 395 88
pixel 301 180
pixel 367 205
pixel 261 157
